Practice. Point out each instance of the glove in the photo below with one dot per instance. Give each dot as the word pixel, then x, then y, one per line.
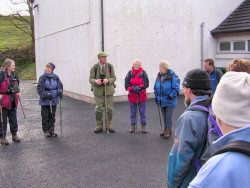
pixel 156 101
pixel 136 89
pixel 47 96
pixel 169 97
pixel 60 94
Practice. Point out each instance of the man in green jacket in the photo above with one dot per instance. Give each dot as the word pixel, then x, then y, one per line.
pixel 101 74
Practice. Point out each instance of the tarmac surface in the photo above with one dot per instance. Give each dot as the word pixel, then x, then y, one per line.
pixel 81 158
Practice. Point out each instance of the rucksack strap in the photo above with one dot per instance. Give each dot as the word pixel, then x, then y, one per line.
pixel 211 119
pixel 132 75
pixel 96 65
pixel 236 146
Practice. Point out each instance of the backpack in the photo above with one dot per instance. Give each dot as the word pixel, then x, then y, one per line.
pixel 95 68
pixel 132 75
pixel 213 133
pixel 236 146
pixel 171 78
pixel 96 65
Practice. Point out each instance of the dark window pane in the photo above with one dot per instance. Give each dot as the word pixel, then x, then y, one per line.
pixel 225 46
pixel 240 45
pixel 249 45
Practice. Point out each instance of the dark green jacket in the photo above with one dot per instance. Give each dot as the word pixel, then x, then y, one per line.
pixel 109 74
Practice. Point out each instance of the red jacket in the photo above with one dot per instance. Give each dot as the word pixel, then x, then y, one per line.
pixel 6 103
pixel 136 78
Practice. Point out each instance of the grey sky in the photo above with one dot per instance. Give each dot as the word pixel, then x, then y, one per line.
pixel 6 7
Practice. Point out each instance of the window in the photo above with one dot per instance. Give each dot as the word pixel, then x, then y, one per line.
pixel 234 46
pixel 225 46
pixel 239 45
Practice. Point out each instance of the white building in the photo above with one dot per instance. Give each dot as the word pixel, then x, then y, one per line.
pixel 69 33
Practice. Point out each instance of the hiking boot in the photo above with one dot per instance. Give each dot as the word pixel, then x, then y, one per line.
pixel 15 138
pixel 97 130
pixel 52 133
pixel 47 134
pixel 111 129
pixel 132 129
pixel 4 141
pixel 163 132
pixel 167 134
pixel 144 129
pixel 98 127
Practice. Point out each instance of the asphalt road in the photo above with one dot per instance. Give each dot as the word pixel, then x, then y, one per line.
pixel 81 158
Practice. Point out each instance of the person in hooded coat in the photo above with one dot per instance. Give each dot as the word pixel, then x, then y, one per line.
pixel 50 89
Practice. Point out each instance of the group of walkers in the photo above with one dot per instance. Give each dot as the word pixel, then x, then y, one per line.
pixel 211 141
pixel 166 89
pixel 222 144
pixel 49 88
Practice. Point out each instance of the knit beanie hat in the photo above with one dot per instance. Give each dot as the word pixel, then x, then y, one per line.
pixel 231 101
pixel 52 65
pixel 197 79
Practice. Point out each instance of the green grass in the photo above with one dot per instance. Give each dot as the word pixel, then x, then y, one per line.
pixel 26 71
pixel 10 36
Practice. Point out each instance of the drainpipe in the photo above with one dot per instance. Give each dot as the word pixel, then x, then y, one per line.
pixel 102 25
pixel 202 45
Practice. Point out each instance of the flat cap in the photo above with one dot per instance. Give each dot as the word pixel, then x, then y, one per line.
pixel 102 54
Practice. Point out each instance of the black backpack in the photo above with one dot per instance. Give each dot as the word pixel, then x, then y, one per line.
pixel 213 133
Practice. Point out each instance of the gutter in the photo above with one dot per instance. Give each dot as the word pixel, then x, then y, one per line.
pixel 202 46
pixel 102 25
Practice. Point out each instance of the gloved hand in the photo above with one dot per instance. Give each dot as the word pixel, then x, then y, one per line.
pixel 156 101
pixel 60 94
pixel 169 97
pixel 47 96
pixel 136 89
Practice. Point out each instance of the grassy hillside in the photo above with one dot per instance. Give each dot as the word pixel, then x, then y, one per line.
pixel 15 44
pixel 10 36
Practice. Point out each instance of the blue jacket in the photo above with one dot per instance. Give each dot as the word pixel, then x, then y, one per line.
pixel 190 137
pixel 215 77
pixel 49 84
pixel 166 89
pixel 226 170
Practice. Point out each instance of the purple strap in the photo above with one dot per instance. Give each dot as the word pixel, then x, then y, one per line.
pixel 197 164
pixel 203 107
pixel 210 117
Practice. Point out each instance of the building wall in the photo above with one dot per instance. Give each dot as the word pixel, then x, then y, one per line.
pixel 70 35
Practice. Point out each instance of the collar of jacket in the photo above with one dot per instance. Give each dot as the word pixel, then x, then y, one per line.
pixel 235 135
pixel 49 75
pixel 137 72
pixel 168 75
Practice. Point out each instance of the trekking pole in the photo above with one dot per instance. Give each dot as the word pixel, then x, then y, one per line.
pixel 61 116
pixel 137 111
pixel 159 115
pixel 1 118
pixel 25 120
pixel 106 109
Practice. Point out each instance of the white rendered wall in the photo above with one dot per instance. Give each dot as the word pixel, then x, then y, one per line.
pixel 148 30
pixel 155 30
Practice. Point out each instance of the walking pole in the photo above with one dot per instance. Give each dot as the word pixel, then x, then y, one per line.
pixel 61 116
pixel 106 109
pixel 25 120
pixel 159 115
pixel 1 117
pixel 137 111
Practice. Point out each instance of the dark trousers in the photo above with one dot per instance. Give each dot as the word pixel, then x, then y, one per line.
pixel 167 113
pixel 48 118
pixel 11 115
